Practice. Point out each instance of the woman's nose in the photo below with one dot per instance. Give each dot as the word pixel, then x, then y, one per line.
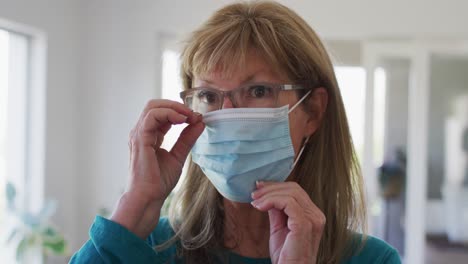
pixel 227 103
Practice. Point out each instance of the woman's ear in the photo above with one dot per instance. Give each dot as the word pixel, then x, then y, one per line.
pixel 316 106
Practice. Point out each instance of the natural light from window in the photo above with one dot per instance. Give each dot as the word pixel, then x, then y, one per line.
pixel 352 83
pixel 4 55
pixel 171 87
pixel 15 69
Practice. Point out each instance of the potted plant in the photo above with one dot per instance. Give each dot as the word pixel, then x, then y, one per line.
pixel 32 232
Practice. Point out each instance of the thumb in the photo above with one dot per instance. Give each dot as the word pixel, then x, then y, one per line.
pixel 186 140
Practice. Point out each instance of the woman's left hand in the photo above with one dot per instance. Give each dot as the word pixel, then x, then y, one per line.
pixel 296 223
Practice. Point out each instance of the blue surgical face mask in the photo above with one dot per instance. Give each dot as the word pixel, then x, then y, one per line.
pixel 240 146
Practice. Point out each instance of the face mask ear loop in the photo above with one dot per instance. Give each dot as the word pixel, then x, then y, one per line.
pixel 300 152
pixel 300 101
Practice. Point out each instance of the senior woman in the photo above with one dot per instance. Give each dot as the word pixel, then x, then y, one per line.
pixel 273 177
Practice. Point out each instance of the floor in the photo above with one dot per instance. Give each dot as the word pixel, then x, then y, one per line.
pixel 440 251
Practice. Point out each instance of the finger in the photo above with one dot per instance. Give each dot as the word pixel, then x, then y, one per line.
pixel 264 186
pixel 296 221
pixel 283 188
pixel 161 132
pixel 176 106
pixel 192 117
pixel 285 203
pixel 186 140
pixel 261 184
pixel 161 117
pixel 148 132
pixel 310 215
pixel 163 103
pixel 268 184
pixel 164 128
pixel 290 189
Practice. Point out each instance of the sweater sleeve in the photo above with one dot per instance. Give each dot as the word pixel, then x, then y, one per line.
pixel 112 243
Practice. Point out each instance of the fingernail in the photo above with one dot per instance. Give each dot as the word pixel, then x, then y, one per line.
pixel 184 117
pixel 258 184
pixel 254 204
pixel 196 113
pixel 252 195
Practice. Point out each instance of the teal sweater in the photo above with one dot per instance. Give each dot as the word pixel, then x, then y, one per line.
pixel 112 243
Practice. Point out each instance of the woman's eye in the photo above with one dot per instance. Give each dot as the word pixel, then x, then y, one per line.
pixel 207 97
pixel 259 91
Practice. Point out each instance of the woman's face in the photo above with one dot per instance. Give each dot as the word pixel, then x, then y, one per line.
pixel 301 124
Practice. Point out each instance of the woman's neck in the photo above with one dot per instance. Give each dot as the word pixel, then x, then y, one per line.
pixel 246 230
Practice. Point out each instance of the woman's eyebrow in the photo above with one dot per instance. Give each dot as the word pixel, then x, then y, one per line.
pixel 206 81
pixel 248 79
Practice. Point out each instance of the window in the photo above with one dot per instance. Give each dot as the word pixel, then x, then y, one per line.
pixel 3 114
pixel 352 83
pixel 13 105
pixel 13 70
pixel 22 57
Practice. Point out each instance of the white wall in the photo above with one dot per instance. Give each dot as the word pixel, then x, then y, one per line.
pixel 344 19
pixel 396 107
pixel 58 19
pixel 344 52
pixel 118 78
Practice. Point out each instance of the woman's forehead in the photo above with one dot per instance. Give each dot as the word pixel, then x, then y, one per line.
pixel 253 71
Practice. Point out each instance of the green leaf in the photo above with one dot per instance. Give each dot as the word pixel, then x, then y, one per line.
pixel 21 249
pixel 49 232
pixel 32 240
pixel 10 193
pixel 55 247
pixel 53 241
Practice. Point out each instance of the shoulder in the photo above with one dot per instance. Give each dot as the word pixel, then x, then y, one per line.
pixel 374 250
pixel 162 233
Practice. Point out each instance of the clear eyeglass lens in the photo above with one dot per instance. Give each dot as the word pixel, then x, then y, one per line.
pixel 203 101
pixel 252 96
pixel 257 96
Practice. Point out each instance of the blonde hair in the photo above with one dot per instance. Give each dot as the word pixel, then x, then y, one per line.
pixel 328 170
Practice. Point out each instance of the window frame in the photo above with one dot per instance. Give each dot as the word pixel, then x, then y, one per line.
pixel 35 113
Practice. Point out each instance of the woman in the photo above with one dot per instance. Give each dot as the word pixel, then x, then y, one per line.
pixel 273 176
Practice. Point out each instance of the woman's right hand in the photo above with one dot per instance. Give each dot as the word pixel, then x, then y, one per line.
pixel 154 171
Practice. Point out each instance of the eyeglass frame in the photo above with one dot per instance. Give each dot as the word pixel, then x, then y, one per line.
pixel 223 94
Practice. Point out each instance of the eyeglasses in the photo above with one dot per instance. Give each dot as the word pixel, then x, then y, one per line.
pixel 253 95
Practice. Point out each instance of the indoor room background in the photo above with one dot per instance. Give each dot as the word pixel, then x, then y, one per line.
pixel 75 74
